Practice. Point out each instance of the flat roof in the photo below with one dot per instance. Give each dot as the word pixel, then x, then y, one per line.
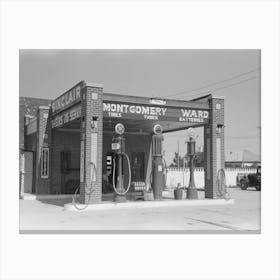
pixel 114 97
pixel 73 96
pixel 196 103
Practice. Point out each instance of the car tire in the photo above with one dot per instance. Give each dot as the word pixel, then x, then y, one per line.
pixel 243 185
pixel 258 188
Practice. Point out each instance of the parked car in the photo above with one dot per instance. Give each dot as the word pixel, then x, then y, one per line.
pixel 249 180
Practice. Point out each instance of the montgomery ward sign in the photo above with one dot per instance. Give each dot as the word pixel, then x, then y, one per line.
pixel 159 113
pixel 67 99
pixel 191 115
pixel 67 116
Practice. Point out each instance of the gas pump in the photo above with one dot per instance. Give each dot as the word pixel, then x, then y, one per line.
pixel 157 163
pixel 118 145
pixel 191 190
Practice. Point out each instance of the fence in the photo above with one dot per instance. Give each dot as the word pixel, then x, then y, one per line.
pixel 182 176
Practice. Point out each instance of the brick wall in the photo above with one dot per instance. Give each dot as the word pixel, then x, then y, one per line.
pixel 214 146
pixel 92 115
pixel 28 106
pixel 43 140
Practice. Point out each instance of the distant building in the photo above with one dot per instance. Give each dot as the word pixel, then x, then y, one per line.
pixel 243 158
pixel 28 106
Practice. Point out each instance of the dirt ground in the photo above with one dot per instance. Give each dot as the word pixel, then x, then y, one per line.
pixel 49 215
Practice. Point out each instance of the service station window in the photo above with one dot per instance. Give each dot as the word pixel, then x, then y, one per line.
pixel 45 163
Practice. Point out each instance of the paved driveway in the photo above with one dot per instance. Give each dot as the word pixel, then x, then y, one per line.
pixel 243 216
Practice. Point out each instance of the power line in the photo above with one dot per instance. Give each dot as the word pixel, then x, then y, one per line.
pixel 215 83
pixel 217 89
pixel 255 136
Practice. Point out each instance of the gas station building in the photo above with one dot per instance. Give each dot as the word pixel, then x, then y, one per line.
pixel 76 132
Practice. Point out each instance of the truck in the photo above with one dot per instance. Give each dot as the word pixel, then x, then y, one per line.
pixel 249 180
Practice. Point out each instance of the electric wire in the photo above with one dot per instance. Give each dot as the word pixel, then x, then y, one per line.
pixel 217 89
pixel 215 83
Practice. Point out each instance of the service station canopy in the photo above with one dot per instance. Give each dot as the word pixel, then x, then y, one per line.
pixel 136 113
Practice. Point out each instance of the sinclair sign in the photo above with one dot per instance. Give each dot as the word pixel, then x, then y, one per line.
pixel 66 116
pixel 67 99
pixel 158 113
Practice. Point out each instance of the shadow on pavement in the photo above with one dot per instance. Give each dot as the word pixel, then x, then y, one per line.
pixel 56 201
pixel 61 201
pixel 109 197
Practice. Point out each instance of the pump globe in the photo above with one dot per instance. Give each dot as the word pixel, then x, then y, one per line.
pixel 191 132
pixel 119 128
pixel 158 129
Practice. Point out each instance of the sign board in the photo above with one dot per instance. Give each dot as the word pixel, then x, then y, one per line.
pixel 31 127
pixel 108 163
pixel 157 101
pixel 67 116
pixel 116 146
pixel 67 99
pixel 158 113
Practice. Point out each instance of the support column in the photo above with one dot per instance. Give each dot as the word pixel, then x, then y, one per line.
pixel 43 154
pixel 214 154
pixel 91 144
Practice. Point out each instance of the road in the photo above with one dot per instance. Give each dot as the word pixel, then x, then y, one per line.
pixel 243 216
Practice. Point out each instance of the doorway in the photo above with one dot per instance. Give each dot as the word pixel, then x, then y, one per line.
pixel 26 178
pixel 137 166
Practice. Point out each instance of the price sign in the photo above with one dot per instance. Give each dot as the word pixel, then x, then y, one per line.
pixel 116 146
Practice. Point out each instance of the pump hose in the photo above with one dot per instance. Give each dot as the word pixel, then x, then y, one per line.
pixel 129 175
pixel 221 185
pixel 164 163
pixel 92 183
pixel 164 172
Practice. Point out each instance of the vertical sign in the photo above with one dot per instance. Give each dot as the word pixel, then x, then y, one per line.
pixel 219 158
pixel 208 145
pixel 93 157
pixel 45 163
pixel 109 163
pixel 82 161
pixel 22 162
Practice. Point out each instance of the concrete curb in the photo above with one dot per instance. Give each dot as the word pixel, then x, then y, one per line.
pixel 45 196
pixel 148 204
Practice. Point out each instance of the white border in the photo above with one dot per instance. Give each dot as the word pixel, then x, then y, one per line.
pixel 155 24
pixel 43 150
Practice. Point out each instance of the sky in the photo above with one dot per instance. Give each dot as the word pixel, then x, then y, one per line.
pixel 178 74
